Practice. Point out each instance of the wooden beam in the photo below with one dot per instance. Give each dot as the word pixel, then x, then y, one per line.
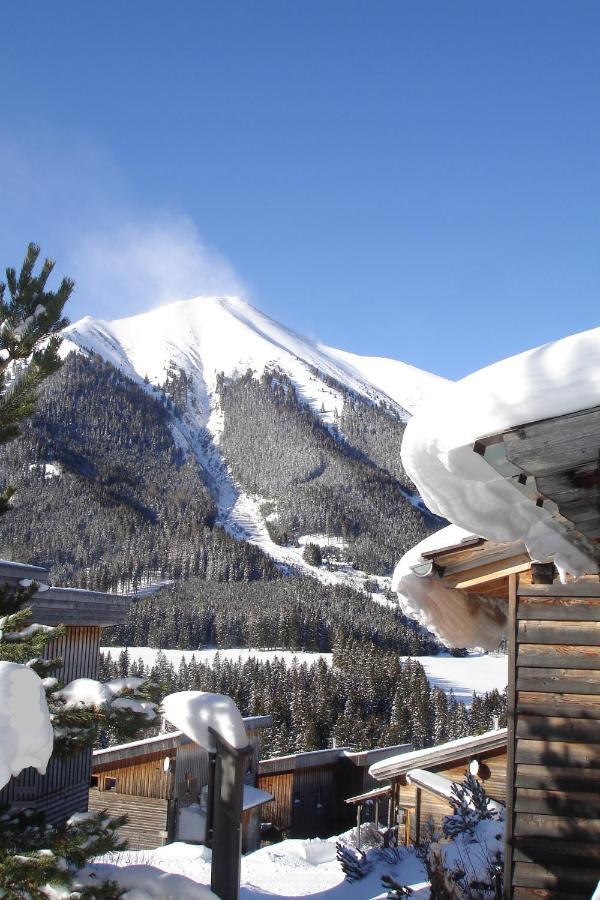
pixel 488 572
pixel 510 710
pixel 571 589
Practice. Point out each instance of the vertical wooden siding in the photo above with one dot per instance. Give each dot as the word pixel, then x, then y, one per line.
pixel 64 788
pixel 553 808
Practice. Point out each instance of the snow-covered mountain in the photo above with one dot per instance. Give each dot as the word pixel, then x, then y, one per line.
pixel 214 340
pixel 167 434
pixel 210 335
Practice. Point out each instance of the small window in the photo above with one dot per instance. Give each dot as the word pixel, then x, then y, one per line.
pixel 110 784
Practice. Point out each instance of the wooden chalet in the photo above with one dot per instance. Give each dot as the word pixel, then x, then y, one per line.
pixel 553 635
pixel 417 784
pixel 309 789
pixel 155 779
pixel 64 788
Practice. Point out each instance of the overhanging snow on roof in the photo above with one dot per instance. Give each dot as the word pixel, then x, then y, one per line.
pixel 458 618
pixel 458 483
pixel 509 454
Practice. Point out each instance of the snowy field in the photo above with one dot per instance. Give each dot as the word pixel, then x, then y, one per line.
pixel 477 672
pixel 148 654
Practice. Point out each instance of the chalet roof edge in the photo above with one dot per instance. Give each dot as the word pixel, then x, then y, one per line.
pixel 442 753
pixel 162 742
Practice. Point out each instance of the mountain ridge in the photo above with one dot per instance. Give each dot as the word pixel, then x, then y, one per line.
pixel 209 335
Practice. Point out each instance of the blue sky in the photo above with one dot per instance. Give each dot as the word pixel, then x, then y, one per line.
pixel 418 180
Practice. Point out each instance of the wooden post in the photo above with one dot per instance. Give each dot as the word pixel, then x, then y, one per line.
pixel 377 814
pixel 227 803
pixel 418 819
pixel 358 811
pixel 513 582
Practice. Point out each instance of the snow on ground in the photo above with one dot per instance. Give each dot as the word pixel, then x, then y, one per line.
pixel 279 870
pixel 477 672
pixel 309 868
pixel 556 379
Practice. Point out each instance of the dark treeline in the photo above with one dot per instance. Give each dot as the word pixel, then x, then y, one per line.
pixel 363 701
pixel 127 506
pixel 295 613
pixel 315 479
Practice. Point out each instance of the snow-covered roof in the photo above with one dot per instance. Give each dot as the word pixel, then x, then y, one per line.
pixel 431 781
pixel 11 569
pixel 162 743
pixel 313 758
pixel 456 482
pixel 459 619
pixel 430 757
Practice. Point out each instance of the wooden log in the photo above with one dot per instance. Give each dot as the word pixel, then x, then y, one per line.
pixel 578 706
pixel 558 655
pixel 571 633
pixel 529 893
pixel 559 609
pixel 582 805
pixel 585 831
pixel 552 680
pixel 562 778
pixel 557 753
pixel 532 875
pixel 546 850
pixel 558 728
pixel 572 590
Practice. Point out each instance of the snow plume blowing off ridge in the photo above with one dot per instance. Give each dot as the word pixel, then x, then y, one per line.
pixel 138 264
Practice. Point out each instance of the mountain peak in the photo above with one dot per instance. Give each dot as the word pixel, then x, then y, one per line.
pixel 208 335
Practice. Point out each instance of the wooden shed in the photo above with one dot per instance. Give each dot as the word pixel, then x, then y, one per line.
pixel 553 639
pixel 63 790
pixel 153 779
pixel 309 789
pixel 418 808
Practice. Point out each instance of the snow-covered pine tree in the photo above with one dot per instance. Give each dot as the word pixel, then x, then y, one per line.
pixel 33 855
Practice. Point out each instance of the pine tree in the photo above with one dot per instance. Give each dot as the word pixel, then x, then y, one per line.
pixel 33 855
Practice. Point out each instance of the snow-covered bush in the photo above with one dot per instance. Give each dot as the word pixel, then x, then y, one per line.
pixel 471 805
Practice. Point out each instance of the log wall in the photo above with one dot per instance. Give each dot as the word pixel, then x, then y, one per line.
pixel 553 801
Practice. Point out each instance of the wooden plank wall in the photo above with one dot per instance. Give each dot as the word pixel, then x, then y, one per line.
pixel 64 788
pixel 553 806
pixel 141 777
pixel 305 801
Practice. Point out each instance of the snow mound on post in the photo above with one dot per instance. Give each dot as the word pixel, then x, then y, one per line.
pixel 27 736
pixel 194 712
pixel 458 618
pixel 456 483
